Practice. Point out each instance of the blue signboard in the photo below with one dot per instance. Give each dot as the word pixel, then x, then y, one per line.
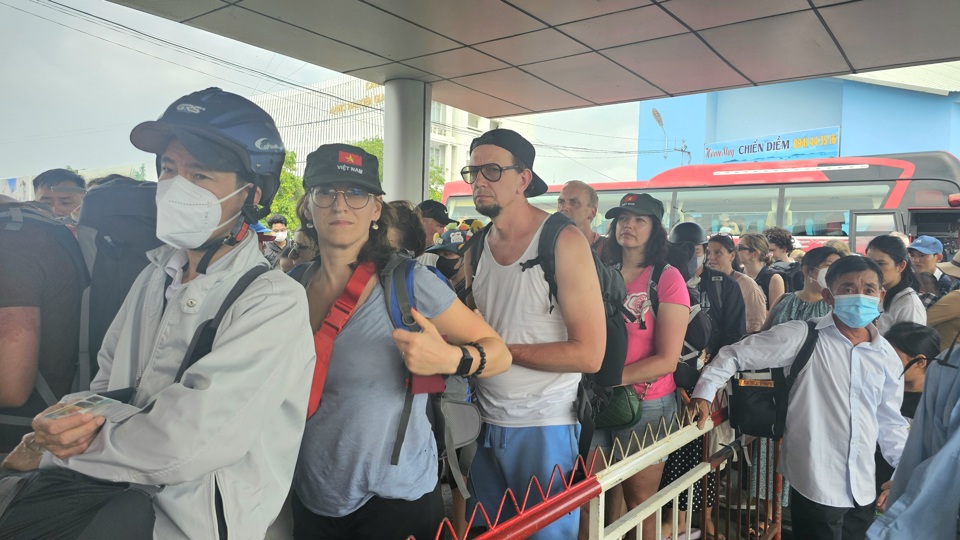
pixel 12 182
pixel 810 144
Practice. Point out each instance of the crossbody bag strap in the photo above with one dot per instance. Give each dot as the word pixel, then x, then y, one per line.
pixel 202 342
pixel 323 338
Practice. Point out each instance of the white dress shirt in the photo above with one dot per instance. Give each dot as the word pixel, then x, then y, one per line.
pixel 845 402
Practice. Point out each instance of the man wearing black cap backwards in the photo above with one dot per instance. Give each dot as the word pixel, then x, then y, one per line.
pixel 529 421
pixel 223 440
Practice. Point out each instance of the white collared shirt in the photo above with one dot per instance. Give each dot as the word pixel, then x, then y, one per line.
pixel 846 401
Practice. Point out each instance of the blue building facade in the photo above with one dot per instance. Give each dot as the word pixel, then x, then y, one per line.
pixel 872 119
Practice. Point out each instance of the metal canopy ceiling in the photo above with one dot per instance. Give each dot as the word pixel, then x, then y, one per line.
pixel 507 57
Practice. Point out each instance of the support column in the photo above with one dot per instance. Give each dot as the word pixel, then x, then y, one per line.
pixel 406 140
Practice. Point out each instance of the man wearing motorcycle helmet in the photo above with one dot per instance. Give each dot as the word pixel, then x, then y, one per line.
pixel 221 435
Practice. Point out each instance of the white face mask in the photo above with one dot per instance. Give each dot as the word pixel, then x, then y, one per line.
pixel 700 259
pixel 822 278
pixel 280 236
pixel 188 214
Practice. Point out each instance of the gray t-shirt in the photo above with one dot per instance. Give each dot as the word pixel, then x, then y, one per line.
pixel 345 455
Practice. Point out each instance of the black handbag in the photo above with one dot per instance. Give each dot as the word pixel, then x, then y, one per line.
pixel 758 401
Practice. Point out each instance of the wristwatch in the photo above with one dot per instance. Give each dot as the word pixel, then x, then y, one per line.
pixel 466 362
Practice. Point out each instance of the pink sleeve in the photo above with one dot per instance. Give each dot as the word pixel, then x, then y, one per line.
pixel 672 289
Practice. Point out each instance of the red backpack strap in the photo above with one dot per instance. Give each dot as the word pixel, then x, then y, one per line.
pixel 339 314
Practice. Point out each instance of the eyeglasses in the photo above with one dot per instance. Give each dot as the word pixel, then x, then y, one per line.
pixel 355 198
pixel 490 171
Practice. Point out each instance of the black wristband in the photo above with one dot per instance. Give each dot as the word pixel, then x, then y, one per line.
pixel 483 358
pixel 466 362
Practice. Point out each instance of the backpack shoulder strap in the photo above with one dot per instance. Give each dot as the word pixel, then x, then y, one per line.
pixel 303 273
pixel 547 251
pixel 396 278
pixel 202 342
pixel 785 384
pixel 476 248
pixel 653 280
pixel 803 356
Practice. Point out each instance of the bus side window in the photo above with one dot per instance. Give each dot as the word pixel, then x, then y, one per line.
pixel 824 210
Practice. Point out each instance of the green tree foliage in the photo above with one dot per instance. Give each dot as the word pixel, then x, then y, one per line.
pixel 139 173
pixel 291 189
pixel 437 173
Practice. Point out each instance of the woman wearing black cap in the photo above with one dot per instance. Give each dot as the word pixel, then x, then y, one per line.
pixel 353 480
pixel 654 342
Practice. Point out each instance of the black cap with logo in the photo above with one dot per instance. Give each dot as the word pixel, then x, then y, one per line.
pixel 638 203
pixel 342 163
pixel 435 211
pixel 521 149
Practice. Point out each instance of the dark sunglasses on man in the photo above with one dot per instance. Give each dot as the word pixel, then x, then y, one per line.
pixel 491 171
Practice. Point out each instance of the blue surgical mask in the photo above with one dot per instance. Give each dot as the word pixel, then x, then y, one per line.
pixel 856 310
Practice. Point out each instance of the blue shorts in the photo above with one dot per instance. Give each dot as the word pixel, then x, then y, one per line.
pixel 509 457
pixel 653 411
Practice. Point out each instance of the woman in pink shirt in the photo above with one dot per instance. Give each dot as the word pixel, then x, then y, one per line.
pixel 654 341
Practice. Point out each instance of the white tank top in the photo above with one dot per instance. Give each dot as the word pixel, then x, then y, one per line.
pixel 517 305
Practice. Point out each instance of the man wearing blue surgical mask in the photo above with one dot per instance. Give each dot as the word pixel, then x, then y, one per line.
pixel 845 401
pixel 228 425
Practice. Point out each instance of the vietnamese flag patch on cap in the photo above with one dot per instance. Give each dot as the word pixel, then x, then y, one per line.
pixel 350 159
pixel 629 198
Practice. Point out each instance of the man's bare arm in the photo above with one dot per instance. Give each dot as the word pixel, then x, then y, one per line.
pixel 580 304
pixel 19 353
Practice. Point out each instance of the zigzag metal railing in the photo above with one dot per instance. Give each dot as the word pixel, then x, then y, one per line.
pixel 549 505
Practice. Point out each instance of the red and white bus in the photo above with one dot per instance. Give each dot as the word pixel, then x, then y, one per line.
pixel 854 198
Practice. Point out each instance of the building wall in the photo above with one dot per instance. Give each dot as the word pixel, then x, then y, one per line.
pixel 873 119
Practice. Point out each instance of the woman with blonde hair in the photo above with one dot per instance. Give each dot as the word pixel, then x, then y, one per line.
pixel 752 250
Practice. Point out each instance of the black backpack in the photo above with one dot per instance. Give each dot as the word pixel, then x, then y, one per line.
pixel 116 229
pixel 613 291
pixel 697 336
pixel 791 273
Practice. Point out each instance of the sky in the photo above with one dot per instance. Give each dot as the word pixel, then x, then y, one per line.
pixel 73 87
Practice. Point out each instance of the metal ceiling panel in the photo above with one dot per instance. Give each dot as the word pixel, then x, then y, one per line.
pixel 483 104
pixel 523 89
pixel 732 42
pixel 785 37
pixel 579 75
pixel 456 63
pixel 700 15
pixel 239 24
pixel 557 12
pixel 382 74
pixel 532 47
pixel 356 23
pixel 889 33
pixel 175 10
pixel 466 22
pixel 640 24
pixel 677 64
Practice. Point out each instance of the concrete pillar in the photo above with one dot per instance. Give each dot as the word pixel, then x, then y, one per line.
pixel 406 140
